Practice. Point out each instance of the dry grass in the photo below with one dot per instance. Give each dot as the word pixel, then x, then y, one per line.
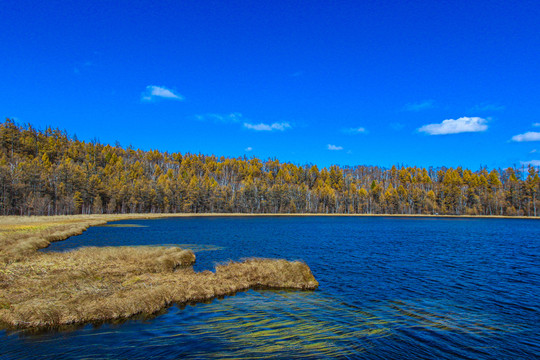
pixel 22 235
pixel 40 290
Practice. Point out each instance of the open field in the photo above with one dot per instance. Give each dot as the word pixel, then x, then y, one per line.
pixel 41 290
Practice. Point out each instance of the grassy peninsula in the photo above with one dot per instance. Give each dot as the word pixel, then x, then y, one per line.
pixel 45 290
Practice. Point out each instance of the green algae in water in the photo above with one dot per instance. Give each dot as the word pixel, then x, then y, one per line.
pixel 247 325
pixel 320 326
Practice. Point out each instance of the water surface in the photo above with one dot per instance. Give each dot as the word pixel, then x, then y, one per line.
pixel 418 288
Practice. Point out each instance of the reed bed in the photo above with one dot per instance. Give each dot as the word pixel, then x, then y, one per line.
pixel 46 290
pixel 20 236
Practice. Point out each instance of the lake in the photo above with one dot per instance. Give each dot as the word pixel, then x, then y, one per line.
pixel 390 288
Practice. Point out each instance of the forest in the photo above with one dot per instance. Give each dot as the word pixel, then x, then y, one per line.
pixel 48 172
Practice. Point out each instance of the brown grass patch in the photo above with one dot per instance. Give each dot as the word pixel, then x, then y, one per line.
pixel 40 290
pixel 22 235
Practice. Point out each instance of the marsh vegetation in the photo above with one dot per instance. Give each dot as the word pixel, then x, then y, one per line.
pixel 97 284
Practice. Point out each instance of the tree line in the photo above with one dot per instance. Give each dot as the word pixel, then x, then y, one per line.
pixel 48 172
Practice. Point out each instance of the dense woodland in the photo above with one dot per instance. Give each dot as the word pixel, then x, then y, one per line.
pixel 49 172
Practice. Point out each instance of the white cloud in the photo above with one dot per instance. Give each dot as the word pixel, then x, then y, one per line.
pixel 268 127
pixel 358 130
pixel 227 118
pixel 532 151
pixel 528 136
pixel 249 148
pixel 423 105
pixel 238 117
pixel 536 124
pixel 451 126
pixel 152 92
pixel 531 162
pixel 334 147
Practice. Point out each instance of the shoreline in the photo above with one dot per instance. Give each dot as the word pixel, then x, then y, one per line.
pixel 351 215
pixel 13 219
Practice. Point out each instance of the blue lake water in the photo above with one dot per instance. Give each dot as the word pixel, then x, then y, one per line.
pixel 390 288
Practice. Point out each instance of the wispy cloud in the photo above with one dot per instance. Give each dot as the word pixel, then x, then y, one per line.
pixel 487 107
pixel 419 106
pixel 536 124
pixel 225 118
pixel 235 118
pixel 153 92
pixel 397 126
pixel 268 127
pixel 533 151
pixel 451 126
pixel 297 74
pixel 528 136
pixel 531 162
pixel 334 147
pixel 358 130
pixel 78 66
pixel 248 149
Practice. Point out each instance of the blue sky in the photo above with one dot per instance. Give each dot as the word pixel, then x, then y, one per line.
pixel 419 83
